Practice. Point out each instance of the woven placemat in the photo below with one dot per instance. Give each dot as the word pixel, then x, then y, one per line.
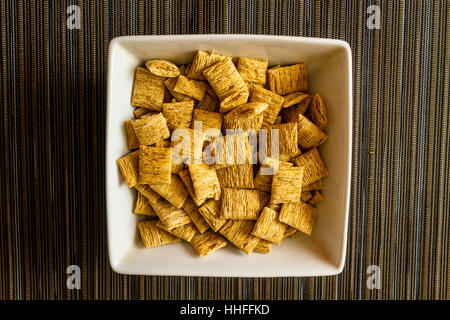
pixel 52 140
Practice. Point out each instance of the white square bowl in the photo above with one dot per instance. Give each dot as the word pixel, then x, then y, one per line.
pixel 329 73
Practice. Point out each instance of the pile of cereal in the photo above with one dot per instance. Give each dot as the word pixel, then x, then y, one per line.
pixel 223 151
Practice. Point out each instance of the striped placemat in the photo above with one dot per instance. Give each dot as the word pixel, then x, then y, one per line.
pixel 52 142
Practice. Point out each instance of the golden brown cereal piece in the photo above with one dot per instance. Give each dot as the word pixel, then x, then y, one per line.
pixel 133 142
pixel 314 168
pixel 143 206
pixel 174 192
pixel 239 233
pixel 187 145
pixel 240 204
pixel 317 185
pixel 318 112
pixel 253 69
pixel 298 215
pixel 178 114
pixel 129 167
pixel 208 103
pixel 289 232
pixel 192 211
pixel 139 112
pixel 233 100
pixel 246 117
pixel 203 60
pixel 251 86
pixel 210 210
pixel 263 178
pixel 285 80
pixel 185 232
pixel 274 101
pixel 287 140
pixel 263 246
pixel 209 119
pixel 224 78
pixel 236 176
pixel 162 68
pixel 205 181
pixel 185 176
pixel 306 195
pixel 148 92
pixel 316 198
pixel 309 135
pixel 287 185
pixel 177 167
pixel 208 242
pixel 191 88
pixel 170 84
pixel 151 129
pixel 155 165
pixel 170 216
pixel 264 198
pixel 274 206
pixel 147 192
pixel 291 114
pixel 294 98
pixel 228 150
pixel 152 236
pixel 182 69
pixel 268 227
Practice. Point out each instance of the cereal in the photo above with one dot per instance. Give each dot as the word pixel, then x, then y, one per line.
pixel 152 236
pixel 155 165
pixel 129 167
pixel 178 114
pixel 207 242
pixel 239 204
pixel 205 181
pixel 148 91
pixel 203 60
pixel 287 185
pixel 174 192
pixel 162 68
pixel 316 198
pixel 185 176
pixel 298 215
pixel 246 117
pixel 285 80
pixel 263 178
pixel 208 103
pixel 253 69
pixel 139 112
pixel 268 227
pixel 236 176
pixel 170 84
pixel 291 114
pixel 192 211
pixel 143 206
pixel 210 211
pixel 133 142
pixel 151 129
pixel 263 246
pixel 287 140
pixel 309 135
pixel 239 233
pixel 185 232
pixel 314 168
pixel 170 216
pixel 228 150
pixel 209 119
pixel 318 112
pixel 191 88
pixel 306 195
pixel 273 100
pixel 317 185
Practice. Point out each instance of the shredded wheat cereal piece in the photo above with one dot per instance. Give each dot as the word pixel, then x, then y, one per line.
pixel 314 168
pixel 228 150
pixel 151 195
pixel 205 181
pixel 152 236
pixel 129 167
pixel 306 195
pixel 316 198
pixel 239 233
pixel 139 112
pixel 287 140
pixel 263 182
pixel 151 129
pixel 162 68
pixel 209 119
pixel 294 98
pixel 207 242
pixel 210 211
pixel 309 135
pixel 143 206
pixel 287 185
pixel 170 84
pixel 191 210
pixel 239 204
pixel 178 114
pixel 246 117
pixel 251 86
pixel 317 185
pixel 318 112
pixel 268 227
pixel 274 101
pixel 133 142
pixel 298 215
pixel 236 176
pixel 170 216
pixel 185 176
pixel 148 91
pixel 264 198
pixel 203 60
pixel 227 82
pixel 155 165
pixel 185 232
pixel 289 232
pixel 253 69
pixel 174 192
pixel 291 114
pixel 285 80
pixel 208 103
pixel 192 88
pixel 263 246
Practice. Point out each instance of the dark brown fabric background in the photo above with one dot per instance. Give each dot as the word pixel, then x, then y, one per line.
pixel 52 140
